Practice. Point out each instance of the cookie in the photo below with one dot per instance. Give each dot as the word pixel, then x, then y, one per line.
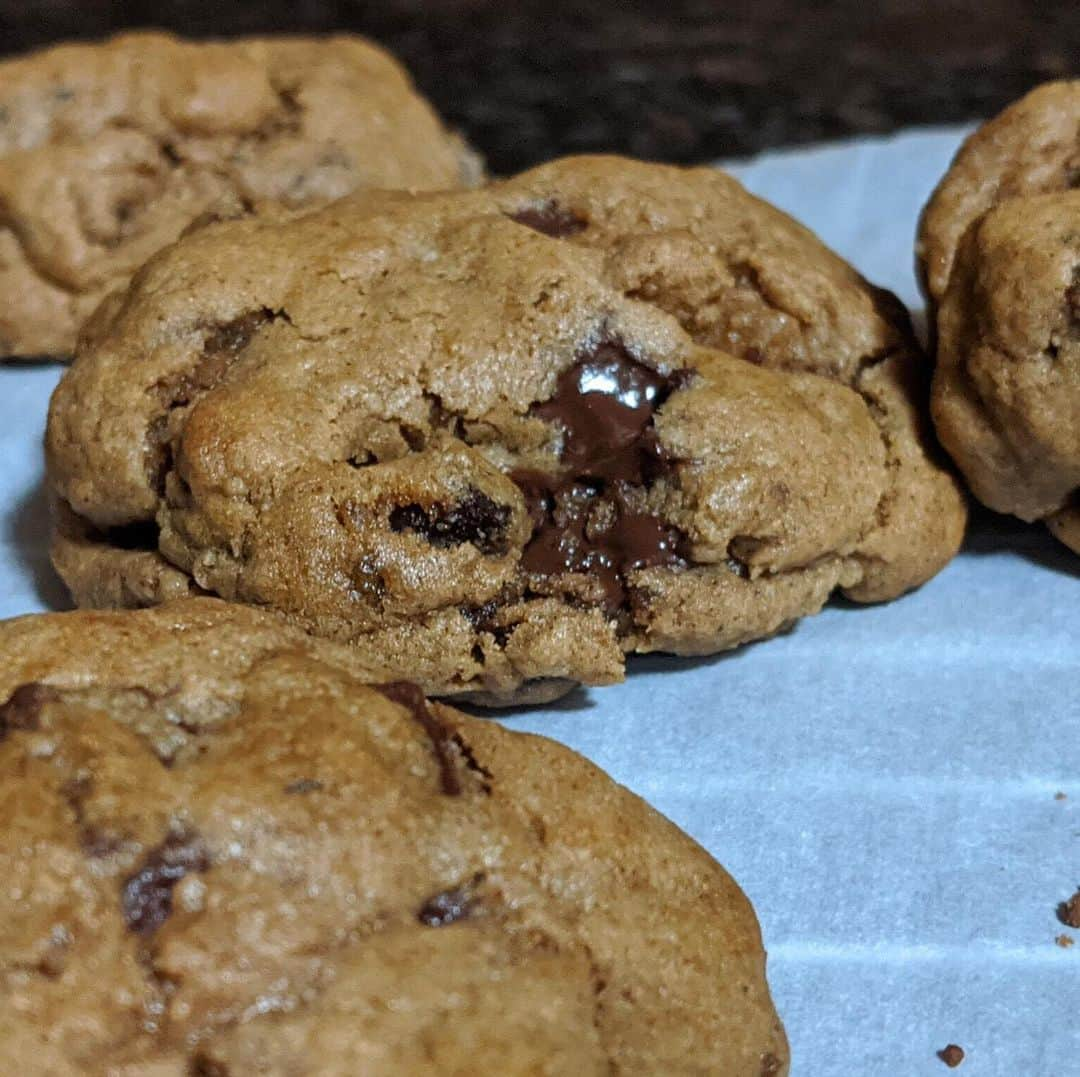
pixel 226 852
pixel 498 439
pixel 108 151
pixel 1000 247
pixel 1031 148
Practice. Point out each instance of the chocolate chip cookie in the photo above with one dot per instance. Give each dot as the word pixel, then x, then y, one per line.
pixel 225 853
pixel 108 151
pixel 1000 248
pixel 498 439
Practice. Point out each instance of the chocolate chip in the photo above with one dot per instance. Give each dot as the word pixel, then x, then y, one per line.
pixel 304 785
pixel 952 1055
pixel 367 580
pixel 484 618
pixel 159 453
pixel 220 348
pixel 204 1066
pixel 1072 301
pixel 23 707
pixel 551 219
pixel 578 539
pixel 146 896
pixel 585 521
pixel 1069 911
pixel 476 519
pixel 233 337
pixel 481 617
pixel 449 906
pixel 770 1065
pixel 1072 171
pixel 410 696
pixel 604 403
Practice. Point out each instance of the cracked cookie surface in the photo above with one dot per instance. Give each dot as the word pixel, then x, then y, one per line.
pixel 498 439
pixel 225 851
pixel 108 151
pixel 1000 248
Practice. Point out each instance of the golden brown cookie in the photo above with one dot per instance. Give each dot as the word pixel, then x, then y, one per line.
pixel 1000 246
pixel 224 853
pixel 498 439
pixel 1031 148
pixel 108 151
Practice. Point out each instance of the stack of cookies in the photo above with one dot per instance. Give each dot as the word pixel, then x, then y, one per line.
pixel 347 428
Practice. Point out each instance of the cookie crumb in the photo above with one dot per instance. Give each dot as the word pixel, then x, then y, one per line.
pixel 952 1055
pixel 1064 941
pixel 1069 911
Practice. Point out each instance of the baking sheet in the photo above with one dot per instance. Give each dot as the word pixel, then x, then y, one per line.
pixel 882 781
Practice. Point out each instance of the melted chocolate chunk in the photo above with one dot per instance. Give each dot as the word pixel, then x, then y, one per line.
pixel 551 219
pixel 23 707
pixel 590 528
pixel 476 519
pixel 449 906
pixel 221 346
pixel 584 521
pixel 605 403
pixel 146 897
pixel 409 696
pixel 233 337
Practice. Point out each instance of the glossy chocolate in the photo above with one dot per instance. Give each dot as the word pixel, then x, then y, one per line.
pixel 584 520
pixel 147 895
pixel 476 519
pixel 605 404
pixel 449 906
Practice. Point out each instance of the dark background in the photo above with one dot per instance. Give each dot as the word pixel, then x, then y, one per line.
pixel 683 80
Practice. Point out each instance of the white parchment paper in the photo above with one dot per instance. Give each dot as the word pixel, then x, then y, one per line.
pixel 881 781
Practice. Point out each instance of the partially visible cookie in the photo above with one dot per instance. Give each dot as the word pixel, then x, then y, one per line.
pixel 224 852
pixel 498 439
pixel 1000 242
pixel 108 151
pixel 1031 148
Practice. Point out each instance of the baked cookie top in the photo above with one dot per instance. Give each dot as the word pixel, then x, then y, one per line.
pixel 499 438
pixel 224 853
pixel 108 151
pixel 1031 148
pixel 1001 244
